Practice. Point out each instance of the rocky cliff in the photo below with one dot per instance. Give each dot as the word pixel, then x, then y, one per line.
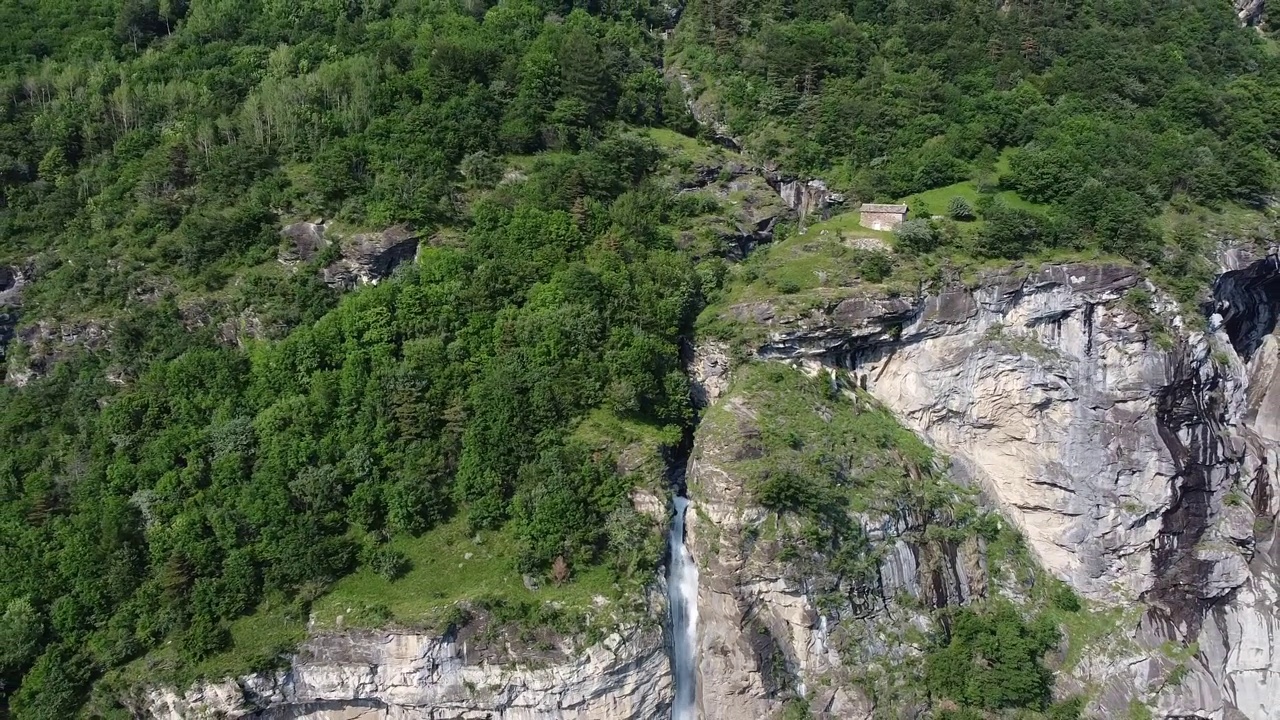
pixel 1135 453
pixel 362 258
pixel 393 675
pixel 1250 12
pixel 1131 445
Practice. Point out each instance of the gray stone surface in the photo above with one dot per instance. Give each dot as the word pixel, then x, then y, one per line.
pixel 398 676
pixel 367 258
pixel 302 241
pixel 1142 470
pixel 1250 12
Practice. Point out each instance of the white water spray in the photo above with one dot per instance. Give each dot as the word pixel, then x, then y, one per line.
pixel 682 598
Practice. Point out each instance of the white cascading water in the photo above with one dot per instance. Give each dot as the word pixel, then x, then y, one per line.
pixel 682 597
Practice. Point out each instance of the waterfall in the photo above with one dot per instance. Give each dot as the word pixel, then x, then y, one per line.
pixel 682 599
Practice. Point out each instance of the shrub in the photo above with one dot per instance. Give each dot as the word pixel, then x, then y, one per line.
pixel 917 236
pixel 480 169
pixel 20 631
pixel 959 209
pixel 874 266
pixel 992 660
pixel 387 562
pixel 204 637
pixel 1063 597
pixel 1069 709
pixel 1010 233
pixel 783 491
pixel 371 615
pixel 788 286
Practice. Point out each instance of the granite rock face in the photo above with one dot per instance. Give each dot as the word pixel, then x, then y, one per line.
pixel 1135 455
pixel 1250 12
pixel 397 676
pixel 302 242
pixel 49 341
pixel 760 637
pixel 812 200
pixel 370 257
pixel 776 621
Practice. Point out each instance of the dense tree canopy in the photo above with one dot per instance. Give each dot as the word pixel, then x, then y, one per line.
pixel 148 154
pixel 169 138
pixel 220 476
pixel 1100 111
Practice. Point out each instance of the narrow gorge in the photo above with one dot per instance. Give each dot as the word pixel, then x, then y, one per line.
pixel 536 360
pixel 1134 452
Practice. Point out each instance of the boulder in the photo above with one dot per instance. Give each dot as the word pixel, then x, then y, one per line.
pixel 302 242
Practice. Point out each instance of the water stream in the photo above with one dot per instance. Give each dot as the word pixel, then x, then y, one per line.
pixel 682 599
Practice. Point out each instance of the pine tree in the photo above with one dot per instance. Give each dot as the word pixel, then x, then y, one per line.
pixel 959 209
pixel 583 72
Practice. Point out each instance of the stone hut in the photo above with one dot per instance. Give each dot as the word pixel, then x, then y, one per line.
pixel 881 217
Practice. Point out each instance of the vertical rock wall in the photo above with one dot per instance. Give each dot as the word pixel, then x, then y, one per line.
pixel 1136 456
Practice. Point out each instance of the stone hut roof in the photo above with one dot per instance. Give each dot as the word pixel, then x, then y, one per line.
pixel 874 208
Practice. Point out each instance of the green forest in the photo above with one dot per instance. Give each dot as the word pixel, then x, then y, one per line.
pixel 166 485
pixel 1101 116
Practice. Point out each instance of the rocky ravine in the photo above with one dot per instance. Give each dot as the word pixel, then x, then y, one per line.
pixel 396 676
pixel 1139 464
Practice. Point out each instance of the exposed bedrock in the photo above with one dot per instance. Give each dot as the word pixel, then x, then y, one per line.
pixel 1136 455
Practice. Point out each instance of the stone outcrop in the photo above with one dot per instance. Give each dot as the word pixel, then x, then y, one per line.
pixel 396 676
pixel 759 635
pixel 812 200
pixel 370 257
pixel 1250 12
pixel 750 209
pixel 47 342
pixel 302 242
pixel 756 200
pixel 1135 454
pixel 704 111
pixel 776 621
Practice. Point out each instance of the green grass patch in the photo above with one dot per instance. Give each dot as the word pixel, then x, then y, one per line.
pixel 524 163
pixel 641 448
pixel 808 441
pixel 848 224
pixel 258 640
pixel 1270 44
pixel 825 258
pixel 602 428
pixel 690 149
pixel 1091 627
pixel 936 200
pixel 449 565
pixel 1229 219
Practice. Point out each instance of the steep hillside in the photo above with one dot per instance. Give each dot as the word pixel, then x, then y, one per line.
pixel 1131 454
pixel 355 353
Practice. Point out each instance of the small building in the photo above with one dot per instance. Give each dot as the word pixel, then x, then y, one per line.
pixel 881 217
